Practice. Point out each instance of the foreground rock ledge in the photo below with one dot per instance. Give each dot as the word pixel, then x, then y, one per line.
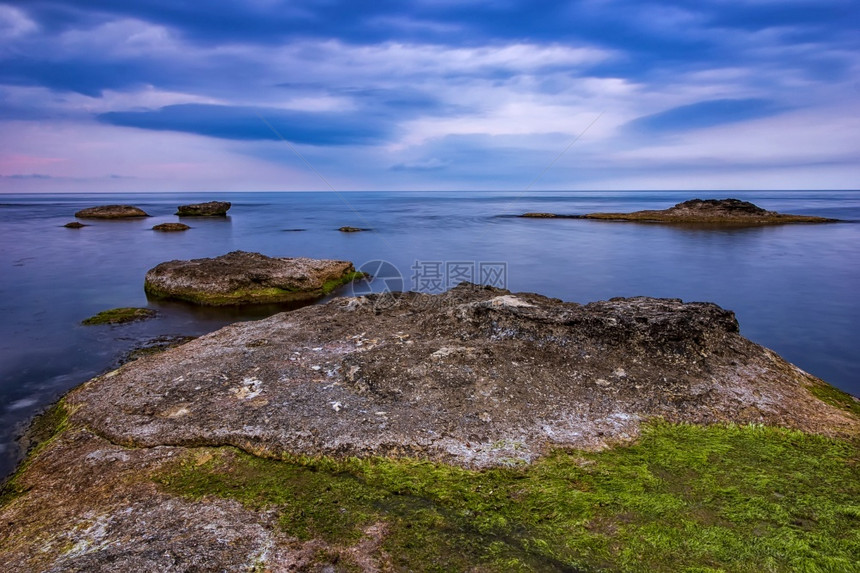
pixel 477 377
pixel 699 211
pixel 111 212
pixel 247 278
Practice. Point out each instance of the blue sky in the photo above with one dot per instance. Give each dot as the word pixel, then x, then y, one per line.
pixel 175 95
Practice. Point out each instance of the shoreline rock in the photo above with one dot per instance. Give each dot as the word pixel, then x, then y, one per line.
pixel 247 278
pixel 700 212
pixel 202 453
pixel 208 209
pixel 111 212
pixel 453 375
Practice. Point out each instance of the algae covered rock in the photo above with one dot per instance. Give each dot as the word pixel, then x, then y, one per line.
pixel 120 316
pixel 111 212
pixel 346 436
pixel 247 278
pixel 208 209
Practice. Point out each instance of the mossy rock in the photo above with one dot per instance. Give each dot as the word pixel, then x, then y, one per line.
pixel 120 316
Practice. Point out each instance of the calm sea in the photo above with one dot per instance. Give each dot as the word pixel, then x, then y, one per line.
pixel 794 288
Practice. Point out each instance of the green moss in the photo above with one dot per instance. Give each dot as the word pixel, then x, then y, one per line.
pixel 332 284
pixel 684 498
pixel 836 397
pixel 120 316
pixel 42 431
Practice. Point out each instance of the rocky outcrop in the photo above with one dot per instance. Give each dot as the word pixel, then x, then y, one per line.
pixel 711 211
pixel 451 377
pixel 171 227
pixel 208 209
pixel 111 212
pixel 477 377
pixel 247 278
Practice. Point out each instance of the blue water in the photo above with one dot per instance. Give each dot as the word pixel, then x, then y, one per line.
pixel 794 288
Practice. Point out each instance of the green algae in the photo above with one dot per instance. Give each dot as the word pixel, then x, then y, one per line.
pixel 43 430
pixel 683 498
pixel 120 316
pixel 836 397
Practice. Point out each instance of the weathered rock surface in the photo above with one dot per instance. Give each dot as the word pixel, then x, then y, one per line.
pixel 171 227
pixel 711 211
pixel 247 278
pixel 476 377
pixel 111 212
pixel 208 209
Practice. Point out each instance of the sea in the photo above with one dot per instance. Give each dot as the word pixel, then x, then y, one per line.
pixel 794 288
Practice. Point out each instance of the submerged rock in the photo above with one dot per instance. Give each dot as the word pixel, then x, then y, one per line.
pixel 476 376
pixel 120 316
pixel 75 225
pixel 247 278
pixel 208 209
pixel 171 227
pixel 352 229
pixel 712 211
pixel 111 212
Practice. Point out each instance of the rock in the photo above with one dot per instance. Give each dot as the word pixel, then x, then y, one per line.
pixel 352 229
pixel 209 209
pixel 111 212
pixel 120 316
pixel 247 278
pixel 476 377
pixel 171 227
pixel 547 216
pixel 75 225
pixel 454 375
pixel 711 211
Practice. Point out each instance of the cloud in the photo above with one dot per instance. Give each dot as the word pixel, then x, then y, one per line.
pixel 469 94
pixel 250 123
pixel 704 114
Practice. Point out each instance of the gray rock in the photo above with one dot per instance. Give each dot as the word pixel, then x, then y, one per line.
pixel 111 212
pixel 208 209
pixel 449 377
pixel 247 278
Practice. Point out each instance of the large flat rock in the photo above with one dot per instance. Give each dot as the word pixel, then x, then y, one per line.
pixel 474 377
pixel 712 211
pixel 247 278
pixel 208 209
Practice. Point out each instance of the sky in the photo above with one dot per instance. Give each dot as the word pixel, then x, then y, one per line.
pixel 259 95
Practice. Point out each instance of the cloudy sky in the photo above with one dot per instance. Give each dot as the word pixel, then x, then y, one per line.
pixel 181 95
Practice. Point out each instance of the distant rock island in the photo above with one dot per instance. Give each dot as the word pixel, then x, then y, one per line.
pixel 111 212
pixel 699 211
pixel 208 209
pixel 340 434
pixel 247 278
